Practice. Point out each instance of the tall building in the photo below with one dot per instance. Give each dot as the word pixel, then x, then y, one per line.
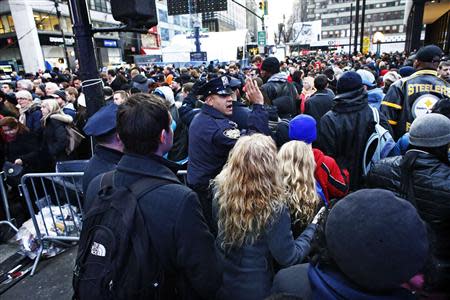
pixel 31 34
pixel 385 16
pixel 232 19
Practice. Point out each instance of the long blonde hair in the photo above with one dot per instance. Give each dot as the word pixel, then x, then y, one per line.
pixel 53 108
pixel 297 167
pixel 249 190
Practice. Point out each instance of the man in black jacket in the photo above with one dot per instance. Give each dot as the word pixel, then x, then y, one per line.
pixel 320 102
pixel 172 212
pixel 276 84
pixel 422 176
pixel 415 95
pixel 344 131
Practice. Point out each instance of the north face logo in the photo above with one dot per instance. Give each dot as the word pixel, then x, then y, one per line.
pixel 98 249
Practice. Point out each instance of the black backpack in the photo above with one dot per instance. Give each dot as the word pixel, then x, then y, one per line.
pixel 116 258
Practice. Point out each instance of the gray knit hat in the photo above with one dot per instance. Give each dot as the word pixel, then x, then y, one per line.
pixel 430 130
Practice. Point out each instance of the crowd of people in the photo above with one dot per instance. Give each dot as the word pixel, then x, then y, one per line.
pixel 323 176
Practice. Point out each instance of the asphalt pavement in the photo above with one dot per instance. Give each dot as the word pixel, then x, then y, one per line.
pixel 52 279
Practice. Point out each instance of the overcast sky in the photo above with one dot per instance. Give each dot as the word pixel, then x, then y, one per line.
pixel 276 10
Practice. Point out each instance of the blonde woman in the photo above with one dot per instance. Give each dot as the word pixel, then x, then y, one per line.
pixel 254 227
pixel 308 91
pixel 297 172
pixel 54 136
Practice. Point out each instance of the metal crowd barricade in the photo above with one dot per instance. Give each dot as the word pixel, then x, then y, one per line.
pixel 5 203
pixel 54 201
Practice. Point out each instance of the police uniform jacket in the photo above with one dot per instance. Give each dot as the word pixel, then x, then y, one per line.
pixel 104 160
pixel 211 137
pixel 411 97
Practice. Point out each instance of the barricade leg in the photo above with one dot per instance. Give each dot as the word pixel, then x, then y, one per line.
pixel 36 260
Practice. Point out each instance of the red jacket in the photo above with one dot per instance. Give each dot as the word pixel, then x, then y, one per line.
pixel 333 180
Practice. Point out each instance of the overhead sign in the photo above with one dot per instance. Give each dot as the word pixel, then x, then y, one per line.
pixel 306 33
pixel 199 56
pixel 181 7
pixel 261 38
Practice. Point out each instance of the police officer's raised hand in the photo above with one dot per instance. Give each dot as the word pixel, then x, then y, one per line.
pixel 253 93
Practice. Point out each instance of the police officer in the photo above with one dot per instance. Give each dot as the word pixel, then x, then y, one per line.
pixel 240 110
pixel 109 149
pixel 212 134
pixel 415 95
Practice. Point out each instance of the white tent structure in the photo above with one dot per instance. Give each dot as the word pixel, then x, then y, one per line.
pixel 218 45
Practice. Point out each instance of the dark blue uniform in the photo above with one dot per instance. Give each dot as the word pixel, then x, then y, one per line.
pixel 211 137
pixel 240 114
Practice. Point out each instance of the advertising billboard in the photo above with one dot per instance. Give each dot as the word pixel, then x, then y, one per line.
pixel 306 33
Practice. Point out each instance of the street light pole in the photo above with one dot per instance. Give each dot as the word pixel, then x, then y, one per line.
pixel 355 46
pixel 58 15
pixel 91 83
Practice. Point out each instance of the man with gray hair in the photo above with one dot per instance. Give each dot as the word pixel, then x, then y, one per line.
pixel 24 85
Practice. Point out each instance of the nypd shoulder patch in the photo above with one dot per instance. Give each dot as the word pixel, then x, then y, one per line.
pixel 232 133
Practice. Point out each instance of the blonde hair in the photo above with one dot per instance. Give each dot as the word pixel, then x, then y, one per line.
pixel 297 168
pixel 53 108
pixel 249 190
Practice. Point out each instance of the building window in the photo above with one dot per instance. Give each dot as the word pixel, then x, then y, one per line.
pixel 42 21
pixel 165 36
pixel 163 16
pixel 100 5
pixel 6 24
pixel 177 20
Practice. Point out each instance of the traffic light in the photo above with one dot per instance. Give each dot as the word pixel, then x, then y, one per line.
pixel 263 6
pixel 135 13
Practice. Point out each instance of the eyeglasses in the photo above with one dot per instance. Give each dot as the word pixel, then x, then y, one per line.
pixel 22 98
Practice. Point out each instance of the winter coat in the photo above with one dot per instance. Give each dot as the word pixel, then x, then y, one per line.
pixel 25 147
pixel 431 186
pixel 33 116
pixel 104 160
pixel 333 180
pixel 141 82
pixel 248 270
pixel 54 138
pixel 412 96
pixel 375 96
pixel 175 223
pixel 326 283
pixel 319 104
pixel 344 131
pixel 278 86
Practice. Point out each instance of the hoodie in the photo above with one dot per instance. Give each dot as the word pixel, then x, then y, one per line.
pixel 140 82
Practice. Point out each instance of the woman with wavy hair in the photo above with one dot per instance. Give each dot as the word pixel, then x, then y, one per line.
pixel 54 135
pixel 254 227
pixel 297 172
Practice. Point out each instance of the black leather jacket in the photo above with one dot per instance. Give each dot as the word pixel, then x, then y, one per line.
pixel 431 186
pixel 411 97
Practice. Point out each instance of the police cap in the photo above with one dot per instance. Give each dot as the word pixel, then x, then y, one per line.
pixel 102 122
pixel 219 86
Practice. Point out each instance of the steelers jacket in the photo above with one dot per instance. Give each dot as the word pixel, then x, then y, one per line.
pixel 411 97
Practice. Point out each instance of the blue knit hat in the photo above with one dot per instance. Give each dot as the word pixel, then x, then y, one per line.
pixel 406 71
pixel 349 81
pixel 303 128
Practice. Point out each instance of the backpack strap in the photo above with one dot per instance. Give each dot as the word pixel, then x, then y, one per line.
pixel 376 115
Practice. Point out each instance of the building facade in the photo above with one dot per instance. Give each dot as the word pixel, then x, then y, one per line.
pixel 31 34
pixel 386 16
pixel 233 19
